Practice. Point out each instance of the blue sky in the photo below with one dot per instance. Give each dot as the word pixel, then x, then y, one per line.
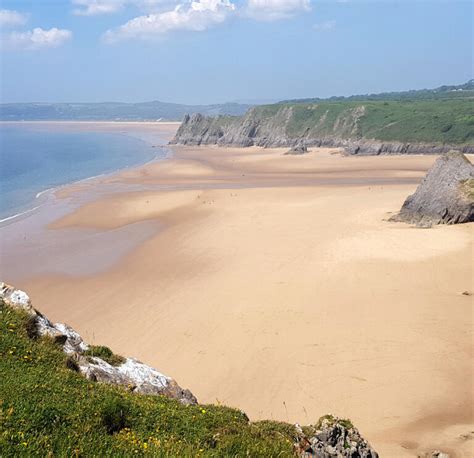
pixel 225 50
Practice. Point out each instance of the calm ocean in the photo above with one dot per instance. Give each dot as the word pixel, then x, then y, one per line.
pixel 32 161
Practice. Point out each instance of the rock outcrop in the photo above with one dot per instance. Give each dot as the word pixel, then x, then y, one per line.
pixel 332 437
pixel 131 373
pixel 256 128
pixel 297 150
pixel 445 196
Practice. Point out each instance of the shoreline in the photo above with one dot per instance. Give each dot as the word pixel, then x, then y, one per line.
pixel 51 191
pixel 262 287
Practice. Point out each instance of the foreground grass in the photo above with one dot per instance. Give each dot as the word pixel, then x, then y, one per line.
pixel 48 409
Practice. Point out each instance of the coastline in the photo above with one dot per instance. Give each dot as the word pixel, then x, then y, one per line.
pixel 266 282
pixel 132 129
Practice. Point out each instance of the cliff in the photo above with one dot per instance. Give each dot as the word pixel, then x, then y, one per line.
pixel 109 368
pixel 368 127
pixel 445 196
pixel 51 404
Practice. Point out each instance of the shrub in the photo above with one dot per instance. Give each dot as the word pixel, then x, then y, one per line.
pixel 114 415
pixel 31 328
pixel 71 363
pixel 105 353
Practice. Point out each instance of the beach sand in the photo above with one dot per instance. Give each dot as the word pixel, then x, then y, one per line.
pixel 275 284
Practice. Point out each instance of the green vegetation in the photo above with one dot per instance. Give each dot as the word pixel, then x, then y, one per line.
pixel 100 351
pixel 330 419
pixel 442 92
pixel 48 409
pixel 445 120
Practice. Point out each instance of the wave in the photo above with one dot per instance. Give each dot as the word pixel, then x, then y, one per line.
pixel 8 218
pixel 50 192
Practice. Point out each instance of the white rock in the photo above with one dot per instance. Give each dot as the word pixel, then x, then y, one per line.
pixel 141 373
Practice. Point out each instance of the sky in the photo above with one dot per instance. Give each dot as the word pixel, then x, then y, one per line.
pixel 213 51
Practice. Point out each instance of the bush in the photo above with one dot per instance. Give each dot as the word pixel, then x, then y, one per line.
pixel 114 415
pixel 71 363
pixel 31 328
pixel 105 353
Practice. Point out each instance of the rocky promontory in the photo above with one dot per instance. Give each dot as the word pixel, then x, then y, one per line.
pixel 445 196
pixel 351 128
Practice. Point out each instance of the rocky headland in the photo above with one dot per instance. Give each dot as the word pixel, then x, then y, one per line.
pixel 445 196
pixel 350 128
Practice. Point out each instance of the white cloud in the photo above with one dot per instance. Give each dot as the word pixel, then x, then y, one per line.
pixel 326 25
pixel 37 38
pixel 96 7
pixel 10 18
pixel 196 16
pixel 273 10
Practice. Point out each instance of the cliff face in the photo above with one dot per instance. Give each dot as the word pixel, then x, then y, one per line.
pixel 359 129
pixel 445 196
pixel 130 372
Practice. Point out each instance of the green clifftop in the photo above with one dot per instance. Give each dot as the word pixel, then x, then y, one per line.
pixel 360 126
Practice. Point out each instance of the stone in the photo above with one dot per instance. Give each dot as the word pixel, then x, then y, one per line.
pixel 445 196
pixel 333 437
pixel 297 150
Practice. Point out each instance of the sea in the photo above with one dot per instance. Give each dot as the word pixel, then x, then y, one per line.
pixel 35 161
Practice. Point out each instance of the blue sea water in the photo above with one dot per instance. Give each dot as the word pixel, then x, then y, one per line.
pixel 32 161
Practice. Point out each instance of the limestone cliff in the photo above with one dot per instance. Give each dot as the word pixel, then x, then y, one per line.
pixel 445 196
pixel 357 128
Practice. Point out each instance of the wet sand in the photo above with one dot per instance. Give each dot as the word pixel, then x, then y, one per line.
pixel 276 284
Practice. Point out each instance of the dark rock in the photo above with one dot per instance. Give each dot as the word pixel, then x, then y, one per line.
pixel 297 149
pixel 333 437
pixel 445 196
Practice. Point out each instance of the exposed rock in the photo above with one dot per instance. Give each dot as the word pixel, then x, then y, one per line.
pixel 297 149
pixel 273 131
pixel 445 196
pixel 332 437
pixel 131 373
pixel 434 454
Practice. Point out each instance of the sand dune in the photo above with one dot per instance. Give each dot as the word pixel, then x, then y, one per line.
pixel 276 285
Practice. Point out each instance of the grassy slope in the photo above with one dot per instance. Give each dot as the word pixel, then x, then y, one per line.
pixel 46 408
pixel 447 120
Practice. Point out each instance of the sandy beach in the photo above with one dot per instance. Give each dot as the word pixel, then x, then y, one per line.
pixel 275 284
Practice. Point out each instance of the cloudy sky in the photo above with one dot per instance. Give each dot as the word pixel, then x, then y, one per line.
pixel 207 51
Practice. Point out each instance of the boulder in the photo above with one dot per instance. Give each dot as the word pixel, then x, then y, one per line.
pixel 445 196
pixel 332 437
pixel 297 149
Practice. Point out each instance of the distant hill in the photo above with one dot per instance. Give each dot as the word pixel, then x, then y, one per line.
pixel 112 111
pixel 442 92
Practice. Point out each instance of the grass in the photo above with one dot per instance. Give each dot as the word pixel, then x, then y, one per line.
pixel 445 120
pixel 101 351
pixel 49 409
